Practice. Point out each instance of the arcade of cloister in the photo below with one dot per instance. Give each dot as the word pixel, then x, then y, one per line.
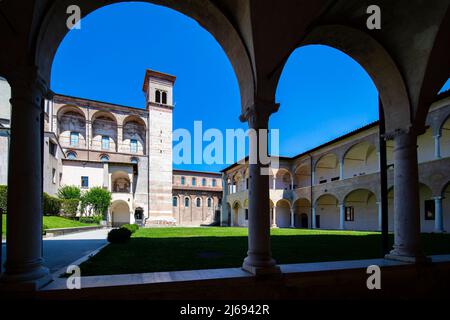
pixel 341 179
pixel 407 59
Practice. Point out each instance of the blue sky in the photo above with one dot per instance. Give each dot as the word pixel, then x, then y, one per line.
pixel 323 93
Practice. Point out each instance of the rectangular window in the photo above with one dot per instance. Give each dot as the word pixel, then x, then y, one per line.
pixel 52 149
pixel 183 180
pixel 133 146
pixel 204 182
pixel 84 182
pixel 349 214
pixel 194 181
pixel 246 214
pixel 105 143
pixel 429 210
pixel 335 179
pixel 54 176
pixel 322 181
pixel 214 182
pixel 74 139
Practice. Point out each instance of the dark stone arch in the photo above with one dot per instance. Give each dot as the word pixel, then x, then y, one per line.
pixel 53 29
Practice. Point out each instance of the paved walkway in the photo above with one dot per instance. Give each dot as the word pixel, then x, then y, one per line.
pixel 63 250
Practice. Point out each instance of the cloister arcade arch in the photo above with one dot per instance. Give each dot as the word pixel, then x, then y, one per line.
pixel 134 135
pixel 120 213
pixel 360 159
pixel 237 215
pixel 283 213
pixel 121 182
pixel 283 179
pixel 302 213
pixel 327 212
pixel 326 169
pixel 361 210
pixel 72 126
pixel 445 138
pixel 302 176
pixel 104 131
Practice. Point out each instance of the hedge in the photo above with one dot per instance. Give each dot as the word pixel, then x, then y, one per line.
pixel 3 198
pixel 51 205
pixel 132 227
pixel 120 235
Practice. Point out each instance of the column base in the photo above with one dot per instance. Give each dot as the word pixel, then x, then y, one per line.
pixel 408 259
pixel 31 281
pixel 270 268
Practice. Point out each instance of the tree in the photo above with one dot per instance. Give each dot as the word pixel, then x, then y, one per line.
pixel 69 192
pixel 97 200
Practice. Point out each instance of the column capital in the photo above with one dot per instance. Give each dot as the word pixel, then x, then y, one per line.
pixel 400 132
pixel 28 85
pixel 438 198
pixel 258 113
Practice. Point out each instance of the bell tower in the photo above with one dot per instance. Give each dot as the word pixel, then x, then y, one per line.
pixel 158 90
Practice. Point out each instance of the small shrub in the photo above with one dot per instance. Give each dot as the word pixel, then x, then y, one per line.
pixel 69 207
pixel 132 227
pixel 3 198
pixel 91 219
pixel 51 205
pixel 69 192
pixel 120 235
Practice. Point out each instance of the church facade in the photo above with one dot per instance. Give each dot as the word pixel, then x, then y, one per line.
pixel 123 149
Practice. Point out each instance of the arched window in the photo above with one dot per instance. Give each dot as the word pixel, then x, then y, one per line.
pixel 194 181
pixel 104 158
pixel 204 182
pixel 164 97
pixel 183 180
pixel 134 160
pixel 209 203
pixel 71 155
pixel 175 201
pixel 158 96
pixel 186 202
pixel 198 202
pixel 214 182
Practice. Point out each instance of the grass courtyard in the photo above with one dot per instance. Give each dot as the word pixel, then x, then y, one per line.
pixel 52 222
pixel 171 249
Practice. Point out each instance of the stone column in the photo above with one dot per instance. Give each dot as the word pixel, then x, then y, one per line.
pixel 259 256
pixel 407 244
pixel 274 217
pixel 437 146
pixel 380 215
pixel 224 211
pixel 341 216
pixel 292 218
pixel 313 178
pixel 24 263
pixel 438 217
pixel 274 182
pixel 313 217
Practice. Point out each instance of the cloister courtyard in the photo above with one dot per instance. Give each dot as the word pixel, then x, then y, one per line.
pixel 151 249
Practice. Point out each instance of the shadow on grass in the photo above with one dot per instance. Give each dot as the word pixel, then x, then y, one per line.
pixel 141 255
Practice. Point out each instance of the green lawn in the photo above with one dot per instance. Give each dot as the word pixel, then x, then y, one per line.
pixel 170 249
pixel 52 222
